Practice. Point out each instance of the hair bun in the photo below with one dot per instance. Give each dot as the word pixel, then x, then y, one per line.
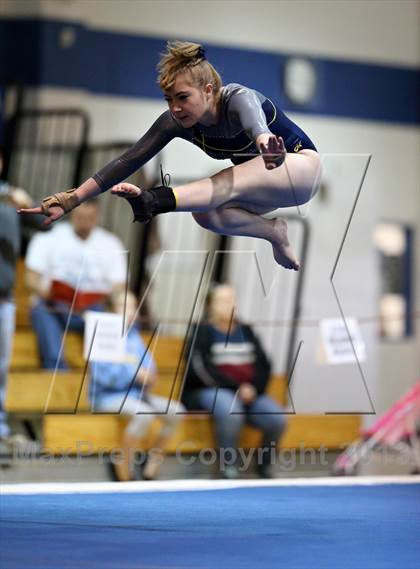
pixel 201 53
pixel 186 57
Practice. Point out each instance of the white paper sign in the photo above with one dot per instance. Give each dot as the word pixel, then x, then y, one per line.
pixel 108 343
pixel 340 342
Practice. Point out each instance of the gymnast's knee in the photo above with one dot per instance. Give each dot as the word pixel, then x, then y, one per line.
pixel 205 219
pixel 223 184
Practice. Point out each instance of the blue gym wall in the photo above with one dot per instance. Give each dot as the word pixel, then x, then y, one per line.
pixel 121 64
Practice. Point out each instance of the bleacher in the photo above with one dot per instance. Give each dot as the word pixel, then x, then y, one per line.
pixel 68 425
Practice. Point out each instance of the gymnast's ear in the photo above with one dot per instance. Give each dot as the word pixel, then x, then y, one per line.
pixel 209 89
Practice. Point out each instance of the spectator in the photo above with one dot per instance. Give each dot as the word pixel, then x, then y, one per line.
pixel 69 269
pixel 227 376
pixel 125 388
pixel 10 198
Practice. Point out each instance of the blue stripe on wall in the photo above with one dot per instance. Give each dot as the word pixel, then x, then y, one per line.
pixel 122 64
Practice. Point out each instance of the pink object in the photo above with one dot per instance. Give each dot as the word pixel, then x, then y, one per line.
pixel 400 424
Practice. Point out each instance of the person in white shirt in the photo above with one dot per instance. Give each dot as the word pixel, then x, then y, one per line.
pixel 72 268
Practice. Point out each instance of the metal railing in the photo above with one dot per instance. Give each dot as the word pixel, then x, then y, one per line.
pixel 47 150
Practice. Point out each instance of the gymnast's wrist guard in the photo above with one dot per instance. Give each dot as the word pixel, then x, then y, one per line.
pixel 152 202
pixel 66 200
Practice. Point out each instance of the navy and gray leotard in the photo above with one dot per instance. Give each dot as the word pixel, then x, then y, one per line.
pixel 244 114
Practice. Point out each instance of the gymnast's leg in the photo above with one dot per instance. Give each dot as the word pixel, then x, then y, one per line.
pixel 237 221
pixel 292 184
pixel 244 187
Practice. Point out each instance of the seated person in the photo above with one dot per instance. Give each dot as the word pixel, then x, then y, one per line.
pixel 72 268
pixel 9 251
pixel 10 241
pixel 125 388
pixel 227 376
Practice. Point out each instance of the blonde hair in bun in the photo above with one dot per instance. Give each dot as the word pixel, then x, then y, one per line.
pixel 188 58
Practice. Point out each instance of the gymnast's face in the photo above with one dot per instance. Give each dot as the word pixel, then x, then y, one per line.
pixel 190 104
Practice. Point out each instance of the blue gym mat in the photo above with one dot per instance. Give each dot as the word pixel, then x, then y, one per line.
pixel 290 527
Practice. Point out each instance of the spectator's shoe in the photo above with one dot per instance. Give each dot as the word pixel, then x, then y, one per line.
pixel 139 463
pixel 112 472
pixel 264 471
pixel 148 468
pixel 139 467
pixel 230 473
pixel 6 453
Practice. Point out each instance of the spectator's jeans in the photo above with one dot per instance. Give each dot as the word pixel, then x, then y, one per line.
pixel 7 327
pixel 49 320
pixel 142 412
pixel 230 414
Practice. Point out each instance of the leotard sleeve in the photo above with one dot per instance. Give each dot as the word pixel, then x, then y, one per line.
pixel 247 106
pixel 163 130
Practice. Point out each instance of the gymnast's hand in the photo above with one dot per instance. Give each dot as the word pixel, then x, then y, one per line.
pixel 52 214
pixel 272 150
pixel 55 206
pixel 126 190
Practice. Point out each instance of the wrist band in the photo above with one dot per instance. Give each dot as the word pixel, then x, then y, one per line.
pixel 66 200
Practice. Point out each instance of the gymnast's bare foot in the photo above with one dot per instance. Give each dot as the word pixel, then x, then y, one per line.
pixel 126 190
pixel 282 250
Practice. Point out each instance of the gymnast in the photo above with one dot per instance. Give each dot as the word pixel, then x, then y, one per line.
pixel 275 164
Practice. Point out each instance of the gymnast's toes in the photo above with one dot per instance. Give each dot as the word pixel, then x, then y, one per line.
pixel 126 190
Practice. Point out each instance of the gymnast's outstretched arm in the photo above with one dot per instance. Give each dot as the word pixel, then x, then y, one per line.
pixel 163 130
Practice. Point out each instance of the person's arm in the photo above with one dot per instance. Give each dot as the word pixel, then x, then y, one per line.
pixel 163 130
pixel 118 377
pixel 36 285
pixel 247 106
pixel 159 135
pixel 115 270
pixel 147 373
pixel 200 362
pixel 121 377
pixel 37 266
pixel 19 198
